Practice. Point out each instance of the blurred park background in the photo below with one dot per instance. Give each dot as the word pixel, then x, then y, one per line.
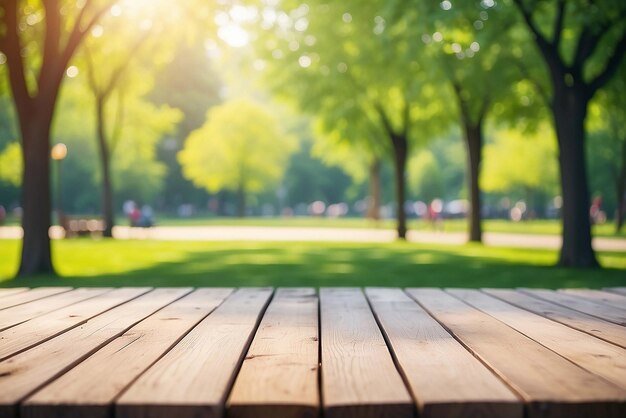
pixel 284 142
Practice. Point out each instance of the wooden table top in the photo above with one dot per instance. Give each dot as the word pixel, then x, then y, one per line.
pixel 304 352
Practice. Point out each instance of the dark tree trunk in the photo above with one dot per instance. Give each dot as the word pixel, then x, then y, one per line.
pixel 570 109
pixel 35 112
pixel 621 190
pixel 105 162
pixel 36 204
pixel 241 201
pixel 373 210
pixel 474 143
pixel 400 149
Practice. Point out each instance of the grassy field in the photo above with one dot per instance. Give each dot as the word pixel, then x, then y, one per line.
pixel 84 262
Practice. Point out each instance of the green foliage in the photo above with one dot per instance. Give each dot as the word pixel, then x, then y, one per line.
pixel 514 161
pixel 240 147
pixel 136 171
pixel 11 164
pixel 425 177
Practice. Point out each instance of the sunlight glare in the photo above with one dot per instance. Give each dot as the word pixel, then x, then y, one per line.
pixel 233 35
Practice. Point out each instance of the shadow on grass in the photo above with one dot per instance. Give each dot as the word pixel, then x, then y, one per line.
pixel 337 265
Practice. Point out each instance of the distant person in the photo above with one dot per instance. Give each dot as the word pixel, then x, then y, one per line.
pixel 146 217
pixel 3 214
pixel 434 213
pixel 595 212
pixel 134 216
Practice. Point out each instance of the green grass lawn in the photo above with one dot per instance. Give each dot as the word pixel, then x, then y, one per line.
pixel 85 262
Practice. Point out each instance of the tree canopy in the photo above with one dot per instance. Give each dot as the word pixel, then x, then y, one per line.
pixel 241 148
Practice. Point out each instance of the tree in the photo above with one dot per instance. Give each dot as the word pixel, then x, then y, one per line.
pixel 468 42
pixel 108 60
pixel 35 97
pixel 361 163
pixel 582 44
pixel 240 148
pixel 322 58
pixel 189 83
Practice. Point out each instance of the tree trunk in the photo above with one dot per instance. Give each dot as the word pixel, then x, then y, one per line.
pixel 400 148
pixel 570 109
pixel 474 143
pixel 36 204
pixel 373 210
pixel 621 190
pixel 241 201
pixel 105 162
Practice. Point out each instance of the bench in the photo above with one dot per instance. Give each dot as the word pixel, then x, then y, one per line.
pixel 80 227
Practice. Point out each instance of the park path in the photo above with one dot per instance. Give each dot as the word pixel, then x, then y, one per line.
pixel 293 234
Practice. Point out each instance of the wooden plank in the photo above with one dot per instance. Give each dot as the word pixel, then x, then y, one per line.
pixel 193 378
pixel 29 296
pixel 284 356
pixel 618 290
pixel 592 325
pixel 444 378
pixel 40 329
pixel 608 313
pixel 26 372
pixel 359 378
pixel 89 389
pixel 607 298
pixel 21 313
pixel 12 291
pixel 551 385
pixel 595 355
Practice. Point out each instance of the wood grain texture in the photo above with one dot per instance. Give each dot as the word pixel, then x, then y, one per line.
pixel 551 385
pixel 444 378
pixel 193 379
pixel 284 356
pixel 28 371
pixel 89 389
pixel 618 290
pixel 28 334
pixel 33 294
pixel 359 378
pixel 606 298
pixel 12 291
pixel 591 353
pixel 21 313
pixel 608 313
pixel 592 325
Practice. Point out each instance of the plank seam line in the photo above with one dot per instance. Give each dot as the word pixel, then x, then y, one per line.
pixel 39 298
pixel 86 355
pixel 78 324
pixel 555 320
pixel 614 291
pixel 319 354
pixel 244 353
pixel 523 290
pixel 608 304
pixel 54 310
pixel 168 349
pixel 394 358
pixel 516 391
pixel 534 340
